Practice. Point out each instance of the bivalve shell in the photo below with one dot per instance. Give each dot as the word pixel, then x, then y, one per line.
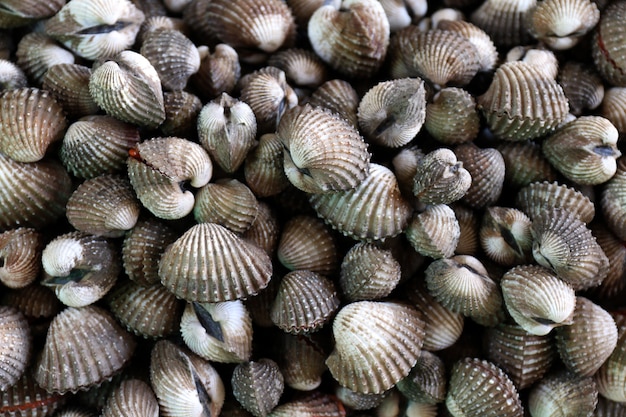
pixel 218 72
pixel 16 346
pixel 26 398
pixel 263 167
pixel 36 53
pixel 505 21
pixel 614 107
pixel 611 377
pixel 486 168
pixel 435 232
pixel 316 404
pixel 524 164
pixel 451 117
pixel 609 51
pixel 426 383
pixel 69 84
pixel 440 178
pixel 613 286
pixel 11 76
pixel 561 24
pixel 339 97
pixel 301 361
pixel 181 114
pixel 613 202
pixel 20 257
pixel 563 394
pixel 538 197
pixel 358 400
pixel 302 67
pixel 258 386
pixel 487 53
pixel 505 235
pixel 20 13
pixel 583 87
pixel 227 202
pixel 133 397
pixel 264 231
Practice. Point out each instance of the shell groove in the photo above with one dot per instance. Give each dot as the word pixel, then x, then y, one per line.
pixel 20 257
pixel 16 346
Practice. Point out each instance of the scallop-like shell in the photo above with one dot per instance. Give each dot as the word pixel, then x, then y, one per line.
pixel 405 167
pixel 339 97
pixel 209 263
pixel 69 84
pixel 20 13
pixel 16 346
pixel 96 29
pixel 480 388
pixel 563 243
pixel 541 59
pixel 26 398
pixel 613 286
pixel 11 76
pixel 352 38
pixel 584 150
pixel 392 112
pixel 611 376
pixel 219 332
pixel 263 169
pixel 377 198
pixel 264 231
pixel 376 345
pixel 132 397
pixel 487 53
pixel 505 235
pixel 469 223
pixel 588 342
pixel 20 255
pixel 563 394
pixel 227 130
pixel 582 86
pixel 302 67
pixel 613 201
pixel 426 383
pixel 316 404
pixel 322 151
pixel 614 107
pixel 37 52
pixel 525 163
pixel 561 24
pixel 181 114
pixel 31 121
pixel 435 232
pixel 227 202
pixel 486 168
pixel 451 117
pixel 84 347
pixel 301 361
pixel 537 299
pixel 258 386
pixel 505 21
pixel 522 102
pixel 538 197
pixel 608 47
pixel 218 72
pixel 358 400
pixel 128 88
pixel 157 166
pixel 440 178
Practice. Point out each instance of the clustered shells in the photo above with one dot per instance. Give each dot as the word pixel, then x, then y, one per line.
pixel 312 208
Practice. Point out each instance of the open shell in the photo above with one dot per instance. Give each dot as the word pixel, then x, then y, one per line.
pixel 505 235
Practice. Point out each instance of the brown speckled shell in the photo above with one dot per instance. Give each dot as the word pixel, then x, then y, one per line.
pixel 20 252
pixel 16 346
pixel 451 117
pixel 504 20
pixel 562 393
pixel 69 84
pixel 539 196
pixel 486 168
pixel 227 202
pixel 608 48
pixel 132 397
pixel 435 232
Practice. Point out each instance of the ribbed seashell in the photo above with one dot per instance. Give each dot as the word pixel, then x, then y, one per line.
pixel 96 29
pixel 561 24
pixel 614 107
pixel 81 268
pixel 32 195
pixel 69 85
pixel 584 150
pixel 20 13
pixel 585 344
pixel 426 383
pixel 540 58
pixel 613 286
pixel 613 202
pixel 525 163
pixel 103 206
pixel 480 388
pixel 316 404
pixel 443 326
pixel 607 46
pixel 31 121
pixel 612 374
pixel 537 299
pixel 302 67
pixel 259 306
pixel 538 197
pixel 402 13
pixel 469 223
pixel 462 284
pixel 127 87
pixel 84 347
pixel 301 361
pixel 20 257
pixel 218 332
pixel 376 345
pixel 16 346
pixel 305 302
pixel 258 386
pixel 157 166
pixel 440 178
pixel 357 400
pixel 522 102
pixel 486 168
pixel 323 152
pixel 563 394
pixel 27 399
pixel 133 397
pixel 434 232
pixel 405 167
pixel 504 20
pixel 352 38
pixel 608 408
pixel 563 243
pixel 487 53
pixel 525 357
pixel 392 112
pixel 181 113
pixel 306 244
pixel 263 168
pixel 264 231
pixel 35 301
pixel 184 384
pixel 37 52
pixel 158 22
pixel 303 9
pixel 582 86
pixel 174 57
pixel 227 130
pixel 368 273
pixel 11 76
pixel 388 213
pixel 227 202
pixel 147 311
pixel 452 117
pixel 219 72
pixel 440 57
pixel 339 97
pixel 209 263
pixel 505 236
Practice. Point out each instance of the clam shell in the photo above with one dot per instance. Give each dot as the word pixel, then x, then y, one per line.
pixel 378 196
pixel 20 256
pixel 339 97
pixel 36 53
pixel 440 178
pixel 181 114
pixel 11 76
pixel 613 286
pixel 608 408
pixel 209 263
pixel 426 383
pixel 352 38
pixel 562 23
pixel 19 13
pixel 358 400
pixel 35 301
pixel 84 347
pixel 486 168
pixel 505 235
pixel 452 117
pixel 316 404
pixel 614 107
pixel 303 9
pixel 469 241
pixel 563 394
pixel 27 399
pixel 260 305
pixel 302 67
pixel 133 397
pixel 263 169
pixel 301 361
pixel 435 232
pixel 69 85
pixel 541 59
pixel 538 197
pixel 227 202
pixel 524 164
pixel 322 151
pixel 613 202
pixel 264 231
pixel 258 386
pixel 582 86
pixel 607 46
pixel 31 121
pixel 612 374
pixel 405 167
pixel 16 346
pixel 218 72
pixel 376 345
pixel 505 21
pixel 487 53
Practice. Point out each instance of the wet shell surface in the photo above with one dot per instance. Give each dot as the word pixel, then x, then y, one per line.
pixel 258 386
pixel 181 113
pixel 452 117
pixel 133 397
pixel 16 346
pixel 36 53
pixel 582 86
pixel 84 347
pixel 440 178
pixel 538 197
pixel 562 23
pixel 218 72
pixel 435 232
pixel 69 85
pixel 486 168
pixel 20 257
pixel 609 53
pixel 563 394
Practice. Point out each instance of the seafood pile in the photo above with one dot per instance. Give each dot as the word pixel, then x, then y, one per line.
pixel 312 208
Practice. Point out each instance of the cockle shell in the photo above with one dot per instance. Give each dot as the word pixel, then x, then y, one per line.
pixel 339 97
pixel 614 284
pixel 504 20
pixel 301 361
pixel 358 400
pixel 440 178
pixel 486 168
pixel 303 9
pixel 181 114
pixel 69 84
pixel 469 223
pixel 37 52
pixel 11 76
pixel 505 235
pixel 613 202
pixel 524 164
pixel 19 13
pixel 302 67
pixel 20 257
pixel 31 121
pixel 402 13
pixel 84 347
pixel 209 263
pixel 35 301
pixel 376 345
pixel 608 408
pixel 434 232
pixel 607 46
pixel 405 167
pixel 258 386
pixel 133 397
pixel 16 346
pixel 561 24
pixel 316 404
pixel 582 86
pixel 263 167
pixel 614 107
pixel 426 383
pixel 563 394
pixel 352 38
pixel 541 59
pixel 96 29
pixel 487 53
pixel 219 72
pixel 452 117
pixel 264 231
pixel 611 376
pixel 227 202
pixel 27 399
pixel 538 197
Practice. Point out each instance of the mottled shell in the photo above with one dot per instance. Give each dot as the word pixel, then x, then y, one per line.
pixel 339 97
pixel 11 76
pixel 537 299
pixel 227 202
pixel 522 102
pixel 392 112
pixel 525 163
pixel 352 38
pixel 263 168
pixel 181 114
pixel 486 168
pixel 376 345
pixel 582 86
pixel 613 202
pixel 316 404
pixel 611 376
pixel 609 53
pixel 440 178
pixel 128 88
pixel 69 85
pixel 218 72
pixel 563 394
pixel 435 232
pixel 20 13
pixel 301 361
pixel 209 263
pixel 487 53
pixel 16 346
pixel 323 152
pixel 264 231
pixel 302 67
pixel 537 197
pixel 96 29
pixel 452 117
pixel 426 383
pixel 614 107
pixel 505 235
pixel 132 397
pixel 374 210
pixel 20 257
pixel 562 23
pixel 480 388
pixel 36 53
pixel 84 347
pixel 258 386
pixel 27 399
pixel 505 21
pixel 31 120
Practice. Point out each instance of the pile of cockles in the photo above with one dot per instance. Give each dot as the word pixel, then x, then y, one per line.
pixel 312 208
